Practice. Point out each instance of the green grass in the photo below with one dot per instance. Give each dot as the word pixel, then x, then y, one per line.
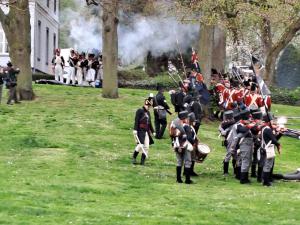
pixel 65 159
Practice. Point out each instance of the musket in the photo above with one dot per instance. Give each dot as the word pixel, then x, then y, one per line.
pixel 141 145
pixel 181 58
pixel 265 104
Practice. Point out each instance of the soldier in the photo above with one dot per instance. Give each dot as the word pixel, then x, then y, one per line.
pixel 73 59
pixel 143 131
pixel 246 146
pixel 181 143
pixel 1 83
pixel 58 62
pixel 191 132
pixel 225 130
pixel 196 108
pixel 257 119
pixel 11 83
pixel 177 98
pixel 161 109
pixel 269 139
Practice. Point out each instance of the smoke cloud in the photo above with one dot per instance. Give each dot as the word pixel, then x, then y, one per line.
pixel 159 34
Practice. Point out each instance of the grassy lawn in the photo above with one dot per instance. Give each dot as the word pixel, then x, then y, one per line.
pixel 65 159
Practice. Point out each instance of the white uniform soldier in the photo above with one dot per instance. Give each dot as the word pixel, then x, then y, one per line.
pixel 58 62
pixel 72 63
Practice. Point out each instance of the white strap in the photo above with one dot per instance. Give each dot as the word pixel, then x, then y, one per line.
pixel 253 100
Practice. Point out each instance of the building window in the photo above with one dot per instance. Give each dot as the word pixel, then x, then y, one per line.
pixel 39 41
pixel 54 42
pixel 47 46
pixel 55 4
pixel 3 43
pixel 48 2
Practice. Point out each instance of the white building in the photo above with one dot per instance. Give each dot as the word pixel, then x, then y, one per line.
pixel 44 20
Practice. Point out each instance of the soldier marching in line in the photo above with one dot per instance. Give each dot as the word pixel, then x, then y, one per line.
pixel 143 131
pixel 226 129
pixel 58 62
pixel 73 59
pixel 269 139
pixel 161 108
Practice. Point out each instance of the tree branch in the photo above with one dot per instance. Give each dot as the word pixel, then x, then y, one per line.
pixel 286 37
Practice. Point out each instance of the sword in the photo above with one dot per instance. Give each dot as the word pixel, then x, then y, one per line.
pixel 139 142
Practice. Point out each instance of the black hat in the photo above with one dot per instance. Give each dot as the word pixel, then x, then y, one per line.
pixel 214 71
pixel 267 117
pixel 253 87
pixel 228 115
pixel 149 101
pixel 183 115
pixel 187 99
pixel 9 64
pixel 246 83
pixel 159 87
pixel 245 114
pixel 257 115
pixel 192 117
pixel 237 116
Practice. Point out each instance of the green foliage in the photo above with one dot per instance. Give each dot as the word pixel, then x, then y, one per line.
pixel 65 159
pixel 285 96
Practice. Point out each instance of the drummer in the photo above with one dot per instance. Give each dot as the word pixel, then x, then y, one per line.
pixel 193 135
pixel 181 135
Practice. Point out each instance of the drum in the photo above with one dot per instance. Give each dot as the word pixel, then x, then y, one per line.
pixel 201 152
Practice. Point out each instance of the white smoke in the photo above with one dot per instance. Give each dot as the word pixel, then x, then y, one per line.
pixel 156 34
pixel 159 34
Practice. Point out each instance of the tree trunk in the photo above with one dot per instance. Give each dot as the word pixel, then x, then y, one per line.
pixel 219 50
pixel 275 49
pixel 206 51
pixel 270 67
pixel 110 48
pixel 16 26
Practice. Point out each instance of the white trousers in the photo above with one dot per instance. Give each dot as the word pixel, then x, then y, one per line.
pixel 139 148
pixel 91 75
pixel 71 75
pixel 58 71
pixel 79 76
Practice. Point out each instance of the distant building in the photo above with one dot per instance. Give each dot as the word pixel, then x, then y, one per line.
pixel 44 20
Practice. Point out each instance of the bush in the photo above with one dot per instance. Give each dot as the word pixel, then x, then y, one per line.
pixel 285 96
pixel 39 76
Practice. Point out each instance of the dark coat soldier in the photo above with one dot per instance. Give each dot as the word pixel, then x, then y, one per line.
pixel 1 84
pixel 11 83
pixel 161 109
pixel 268 138
pixel 143 131
pixel 182 143
pixel 225 129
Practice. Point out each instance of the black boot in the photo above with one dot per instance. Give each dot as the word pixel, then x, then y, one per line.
pixel 187 176
pixel 135 154
pixel 253 171
pixel 178 174
pixel 259 174
pixel 143 159
pixel 266 178
pixel 234 166
pixel 238 173
pixel 225 168
pixel 193 174
pixel 244 178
